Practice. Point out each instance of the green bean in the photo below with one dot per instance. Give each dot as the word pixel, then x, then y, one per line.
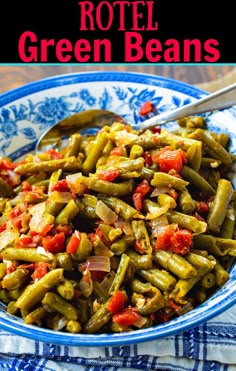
pixel 183 286
pixel 64 261
pixel 200 295
pixel 67 214
pixel 210 162
pixel 221 275
pixel 99 292
pixel 5 189
pixel 176 141
pixel 136 151
pixel 57 304
pixel 4 296
pixel 11 308
pixel 192 122
pixel 84 249
pixel 3 268
pixel 155 298
pixel 197 180
pixel 143 261
pixel 74 145
pixel 16 279
pixel 66 290
pixel 186 202
pixel 98 320
pixel 121 208
pixel 84 311
pixel 32 179
pixel 214 148
pixel 228 225
pixel 54 177
pixel 36 315
pixel 110 188
pixel 68 164
pixel 53 208
pixel 200 261
pixel 28 254
pixel 120 274
pixel 15 294
pixel 208 281
pixel 186 221
pixel 164 199
pixel 166 180
pixel 175 263
pixel 121 245
pixel 219 206
pixel 194 155
pixel 74 327
pixel 141 236
pixel 215 245
pixel 35 292
pixel 161 279
pixel 90 162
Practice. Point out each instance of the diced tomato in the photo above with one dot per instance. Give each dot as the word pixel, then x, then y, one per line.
pixel 181 241
pixel 41 270
pixel 146 108
pixel 54 154
pixel 117 151
pixel 3 227
pixel 67 229
pixel 73 243
pixel 16 211
pixel 100 234
pixel 138 201
pixel 202 207
pixel 25 186
pixel 127 317
pixel 163 239
pixel 147 158
pixel 7 164
pixel 108 175
pixel 117 302
pixel 61 186
pixel 173 305
pixel 156 129
pixel 143 188
pixel 54 244
pixel 170 159
pixel 24 241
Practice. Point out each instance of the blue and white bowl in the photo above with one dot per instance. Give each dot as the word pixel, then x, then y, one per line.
pixel 26 112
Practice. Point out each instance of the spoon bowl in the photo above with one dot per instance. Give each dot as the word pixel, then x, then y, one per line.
pixel 98 118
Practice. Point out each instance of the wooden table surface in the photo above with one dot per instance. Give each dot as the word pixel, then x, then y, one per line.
pixel 207 77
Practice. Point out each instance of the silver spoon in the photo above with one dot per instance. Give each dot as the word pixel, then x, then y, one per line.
pixel 220 99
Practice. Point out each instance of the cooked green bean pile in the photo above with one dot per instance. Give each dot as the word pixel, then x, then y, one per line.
pixel 118 231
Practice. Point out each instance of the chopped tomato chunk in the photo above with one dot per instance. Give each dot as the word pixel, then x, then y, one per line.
pixel 146 108
pixel 108 175
pixel 117 302
pixel 61 186
pixel 127 317
pixel 170 159
pixel 117 151
pixel 54 154
pixel 179 241
pixel 54 244
pixel 138 201
pixel 73 243
pixel 40 271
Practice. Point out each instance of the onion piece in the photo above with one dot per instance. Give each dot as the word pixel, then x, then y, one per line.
pixel 76 183
pixel 38 222
pixel 123 137
pixel 98 263
pixel 107 215
pixel 159 225
pixel 156 211
pixel 7 237
pixel 159 190
pixel 140 322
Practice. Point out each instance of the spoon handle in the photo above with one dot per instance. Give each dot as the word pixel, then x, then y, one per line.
pixel 220 99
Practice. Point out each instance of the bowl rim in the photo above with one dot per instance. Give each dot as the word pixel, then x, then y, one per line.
pixel 173 327
pixel 95 76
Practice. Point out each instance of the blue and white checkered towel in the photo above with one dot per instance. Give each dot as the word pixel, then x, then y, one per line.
pixel 208 347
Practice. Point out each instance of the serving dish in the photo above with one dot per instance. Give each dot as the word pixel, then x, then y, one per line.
pixel 27 111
